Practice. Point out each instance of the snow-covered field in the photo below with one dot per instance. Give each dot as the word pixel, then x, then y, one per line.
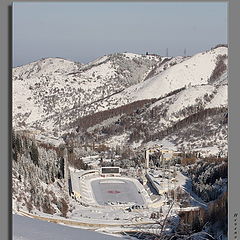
pixel 25 228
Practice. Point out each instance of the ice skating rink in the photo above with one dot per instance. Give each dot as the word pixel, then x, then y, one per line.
pixel 116 190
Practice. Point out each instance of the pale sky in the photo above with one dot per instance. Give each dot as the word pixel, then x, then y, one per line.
pixel 83 31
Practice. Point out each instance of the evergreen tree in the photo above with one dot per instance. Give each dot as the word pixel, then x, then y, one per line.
pixel 34 154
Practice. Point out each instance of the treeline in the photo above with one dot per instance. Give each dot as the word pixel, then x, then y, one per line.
pixel 96 118
pixel 209 181
pixel 199 116
pixel 208 176
pixel 136 123
pixel 215 218
pixel 46 159
pixel 158 65
pixel 219 69
pixel 140 130
pixel 172 93
pixel 35 165
pixel 218 212
pixel 75 161
pixel 220 45
pixel 128 120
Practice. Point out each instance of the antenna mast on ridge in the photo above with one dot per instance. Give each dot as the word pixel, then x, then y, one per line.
pixel 185 52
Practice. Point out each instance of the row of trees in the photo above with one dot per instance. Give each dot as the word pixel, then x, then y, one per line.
pixel 196 117
pixel 205 221
pixel 96 118
pixel 209 177
pixel 220 68
pixel 35 165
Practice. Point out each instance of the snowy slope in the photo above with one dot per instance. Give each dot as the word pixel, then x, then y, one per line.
pixel 53 99
pixel 192 71
pixel 45 66
pixel 25 228
pixel 209 135
pixel 50 90
pixel 188 97
pixel 195 71
pixel 221 97
pixel 204 96
pixel 165 64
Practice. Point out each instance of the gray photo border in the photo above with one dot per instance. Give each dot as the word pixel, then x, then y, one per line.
pixel 234 130
pixel 6 114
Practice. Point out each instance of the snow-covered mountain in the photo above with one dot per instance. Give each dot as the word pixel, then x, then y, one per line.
pixel 52 94
pixel 188 107
pixel 195 70
pixel 52 89
pixel 110 111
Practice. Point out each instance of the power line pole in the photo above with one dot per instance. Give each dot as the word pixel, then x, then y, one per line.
pixel 167 52
pixel 185 52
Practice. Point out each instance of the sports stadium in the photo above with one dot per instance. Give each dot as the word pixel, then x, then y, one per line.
pixel 107 187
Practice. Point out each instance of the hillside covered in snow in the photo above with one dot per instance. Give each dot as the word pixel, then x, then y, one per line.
pixel 53 91
pixel 135 98
pixel 25 228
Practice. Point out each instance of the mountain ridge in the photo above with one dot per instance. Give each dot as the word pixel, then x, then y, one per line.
pixel 52 100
